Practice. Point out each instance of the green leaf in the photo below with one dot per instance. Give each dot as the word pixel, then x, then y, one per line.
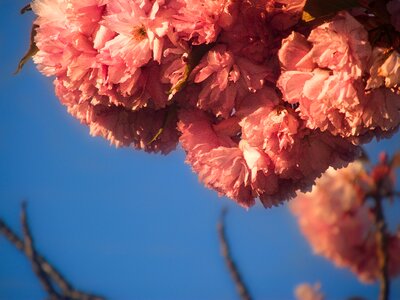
pixel 33 49
pixel 315 9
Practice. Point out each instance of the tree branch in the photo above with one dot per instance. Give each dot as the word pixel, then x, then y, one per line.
pixel 31 254
pixel 226 253
pixel 46 273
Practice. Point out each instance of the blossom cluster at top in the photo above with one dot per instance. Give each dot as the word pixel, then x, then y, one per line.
pixel 340 224
pixel 261 102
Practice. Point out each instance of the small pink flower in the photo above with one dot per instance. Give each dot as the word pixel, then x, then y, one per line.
pixel 141 28
pixel 214 157
pixel 385 69
pixel 200 21
pixel 341 45
pixel 226 80
pixel 305 291
pixel 293 55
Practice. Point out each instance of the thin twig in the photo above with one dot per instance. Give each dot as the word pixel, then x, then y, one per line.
pixel 11 236
pixel 382 253
pixel 226 253
pixel 68 291
pixel 31 254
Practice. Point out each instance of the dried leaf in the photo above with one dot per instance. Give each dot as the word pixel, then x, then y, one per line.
pixel 33 49
pixel 25 9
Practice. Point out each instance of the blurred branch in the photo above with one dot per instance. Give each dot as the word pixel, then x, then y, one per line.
pixel 47 274
pixel 226 253
pixel 382 253
pixel 31 254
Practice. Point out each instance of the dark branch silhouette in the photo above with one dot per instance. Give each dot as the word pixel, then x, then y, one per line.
pixel 30 252
pixel 226 253
pixel 55 285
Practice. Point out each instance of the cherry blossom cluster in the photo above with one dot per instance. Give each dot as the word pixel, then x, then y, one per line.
pixel 339 221
pixel 261 101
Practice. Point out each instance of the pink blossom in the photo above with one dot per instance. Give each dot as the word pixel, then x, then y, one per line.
pixel 216 158
pixel 341 45
pixel 62 46
pixel 226 79
pixel 282 136
pixel 250 34
pixel 200 21
pixel 339 226
pixel 293 55
pixel 306 291
pixel 134 70
pixel 122 127
pixel 323 80
pixel 385 69
pixel 390 70
pixel 141 28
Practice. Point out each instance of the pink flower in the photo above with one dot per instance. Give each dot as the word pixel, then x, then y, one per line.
pixel 63 47
pixel 200 21
pixel 122 127
pixel 341 45
pixel 385 68
pixel 323 79
pixel 293 55
pixel 216 158
pixel 141 28
pixel 250 35
pixel 382 113
pixel 280 134
pixel 339 226
pixel 226 80
pixel 131 70
pixel 390 70
pixel 305 291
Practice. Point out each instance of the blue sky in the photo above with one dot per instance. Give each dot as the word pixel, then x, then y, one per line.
pixel 130 225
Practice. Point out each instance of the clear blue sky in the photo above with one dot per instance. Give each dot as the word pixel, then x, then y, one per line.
pixel 130 225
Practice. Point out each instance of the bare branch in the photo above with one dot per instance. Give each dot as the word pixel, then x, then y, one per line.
pixel 226 253
pixel 48 273
pixel 31 254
